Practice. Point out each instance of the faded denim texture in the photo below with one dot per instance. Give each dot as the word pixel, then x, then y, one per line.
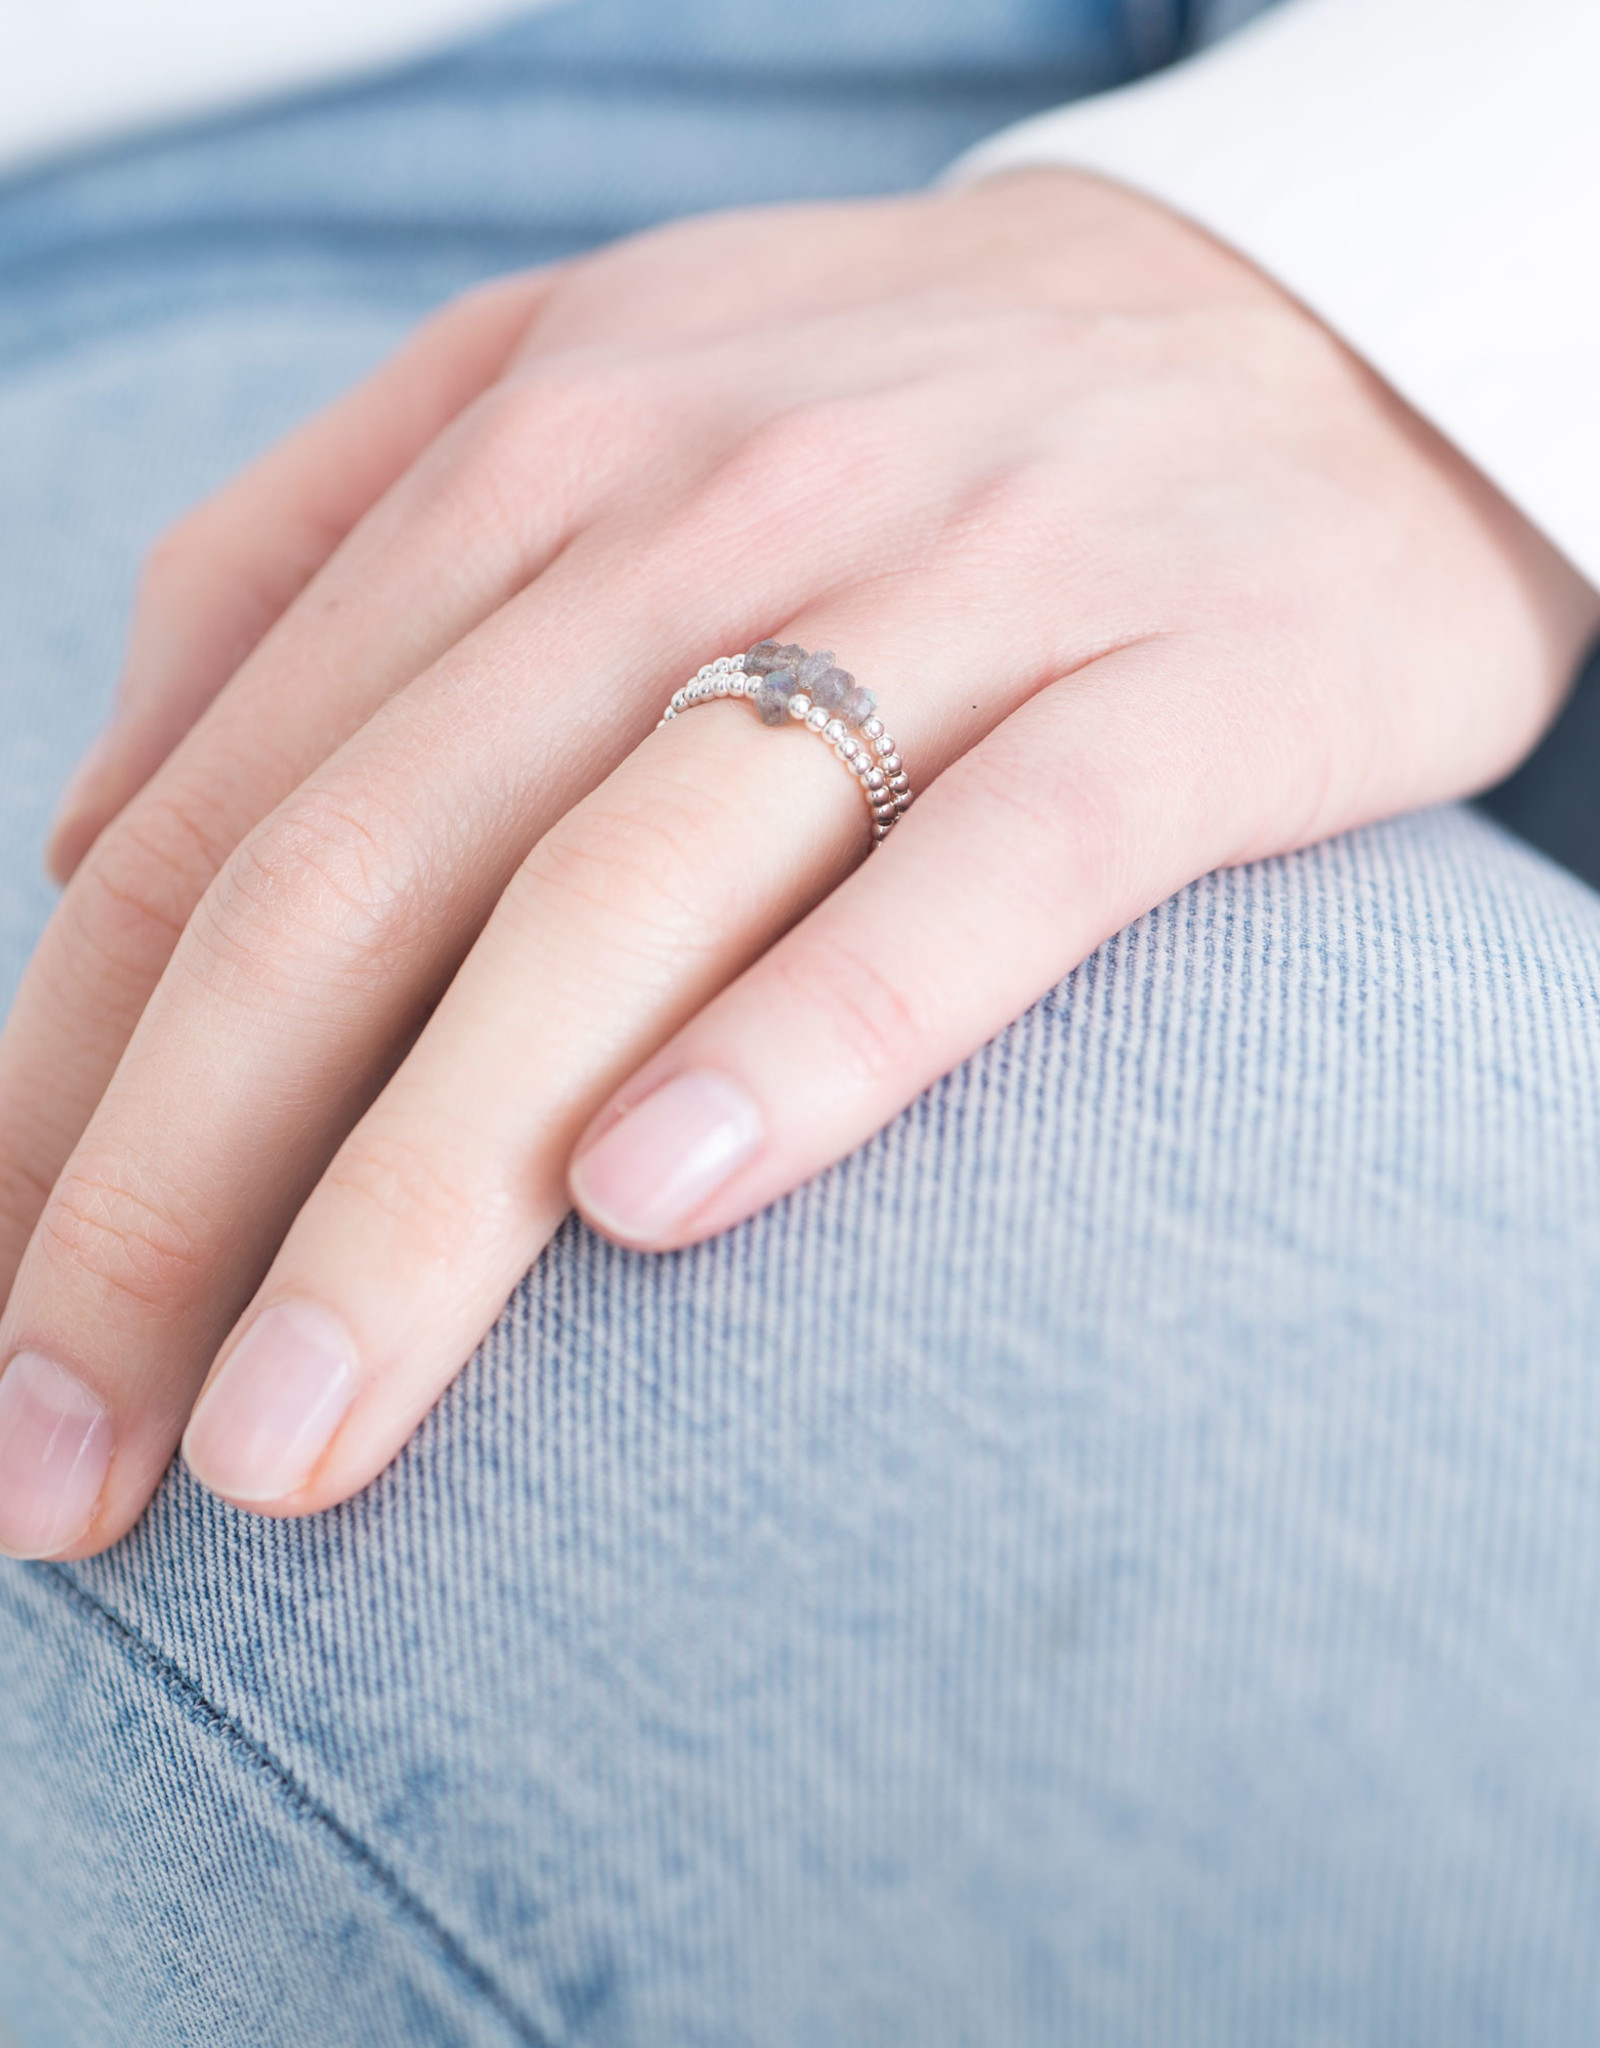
pixel 1114 1563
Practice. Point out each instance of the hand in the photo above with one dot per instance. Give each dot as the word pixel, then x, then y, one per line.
pixel 392 918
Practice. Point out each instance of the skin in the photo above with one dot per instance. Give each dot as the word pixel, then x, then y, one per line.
pixel 385 905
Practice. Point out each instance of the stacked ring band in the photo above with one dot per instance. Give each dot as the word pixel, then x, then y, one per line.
pixel 785 683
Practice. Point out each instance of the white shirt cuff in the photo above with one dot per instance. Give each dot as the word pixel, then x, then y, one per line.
pixel 1425 176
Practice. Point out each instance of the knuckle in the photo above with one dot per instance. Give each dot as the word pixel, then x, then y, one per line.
pixel 131 1244
pixel 138 887
pixel 328 885
pixel 778 491
pixel 173 557
pixel 797 459
pixel 812 438
pixel 396 1182
pixel 1011 518
pixel 652 870
pixel 208 579
pixel 554 432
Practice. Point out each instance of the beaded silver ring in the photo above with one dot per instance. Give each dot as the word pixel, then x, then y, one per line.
pixel 785 683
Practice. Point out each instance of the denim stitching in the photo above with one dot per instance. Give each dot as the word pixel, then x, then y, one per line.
pixel 206 1713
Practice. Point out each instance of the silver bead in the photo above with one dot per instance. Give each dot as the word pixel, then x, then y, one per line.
pixel 882 743
pixel 817 717
pixel 735 685
pixel 899 781
pixel 849 750
pixel 721 665
pixel 736 661
pixel 834 730
pixel 902 800
pixel 875 778
pixel 891 764
pixel 799 704
pixel 719 687
pixel 872 727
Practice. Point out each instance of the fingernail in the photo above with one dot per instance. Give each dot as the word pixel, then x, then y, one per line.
pixel 271 1412
pixel 660 1161
pixel 55 1448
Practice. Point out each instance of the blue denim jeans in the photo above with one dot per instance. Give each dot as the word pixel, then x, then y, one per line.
pixel 1116 1561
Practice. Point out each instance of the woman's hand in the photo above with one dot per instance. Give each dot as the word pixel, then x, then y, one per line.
pixel 393 920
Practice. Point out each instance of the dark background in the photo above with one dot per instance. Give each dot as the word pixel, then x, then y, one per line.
pixel 1554 797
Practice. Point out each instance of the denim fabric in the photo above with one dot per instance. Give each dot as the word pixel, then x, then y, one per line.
pixel 1114 1563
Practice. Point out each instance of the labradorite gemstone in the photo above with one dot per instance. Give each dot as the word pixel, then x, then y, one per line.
pixel 771 696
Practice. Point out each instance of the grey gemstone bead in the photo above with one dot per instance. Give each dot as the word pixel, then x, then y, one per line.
pixel 858 707
pixel 771 695
pixel 812 667
pixel 832 688
pixel 762 658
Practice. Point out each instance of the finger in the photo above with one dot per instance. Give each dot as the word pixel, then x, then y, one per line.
pixel 1097 799
pixel 219 578
pixel 493 502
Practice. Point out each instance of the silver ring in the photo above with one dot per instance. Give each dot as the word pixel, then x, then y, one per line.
pixel 787 683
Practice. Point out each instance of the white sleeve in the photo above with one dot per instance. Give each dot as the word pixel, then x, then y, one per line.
pixel 1425 176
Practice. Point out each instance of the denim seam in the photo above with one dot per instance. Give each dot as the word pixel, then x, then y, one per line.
pixel 205 1713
